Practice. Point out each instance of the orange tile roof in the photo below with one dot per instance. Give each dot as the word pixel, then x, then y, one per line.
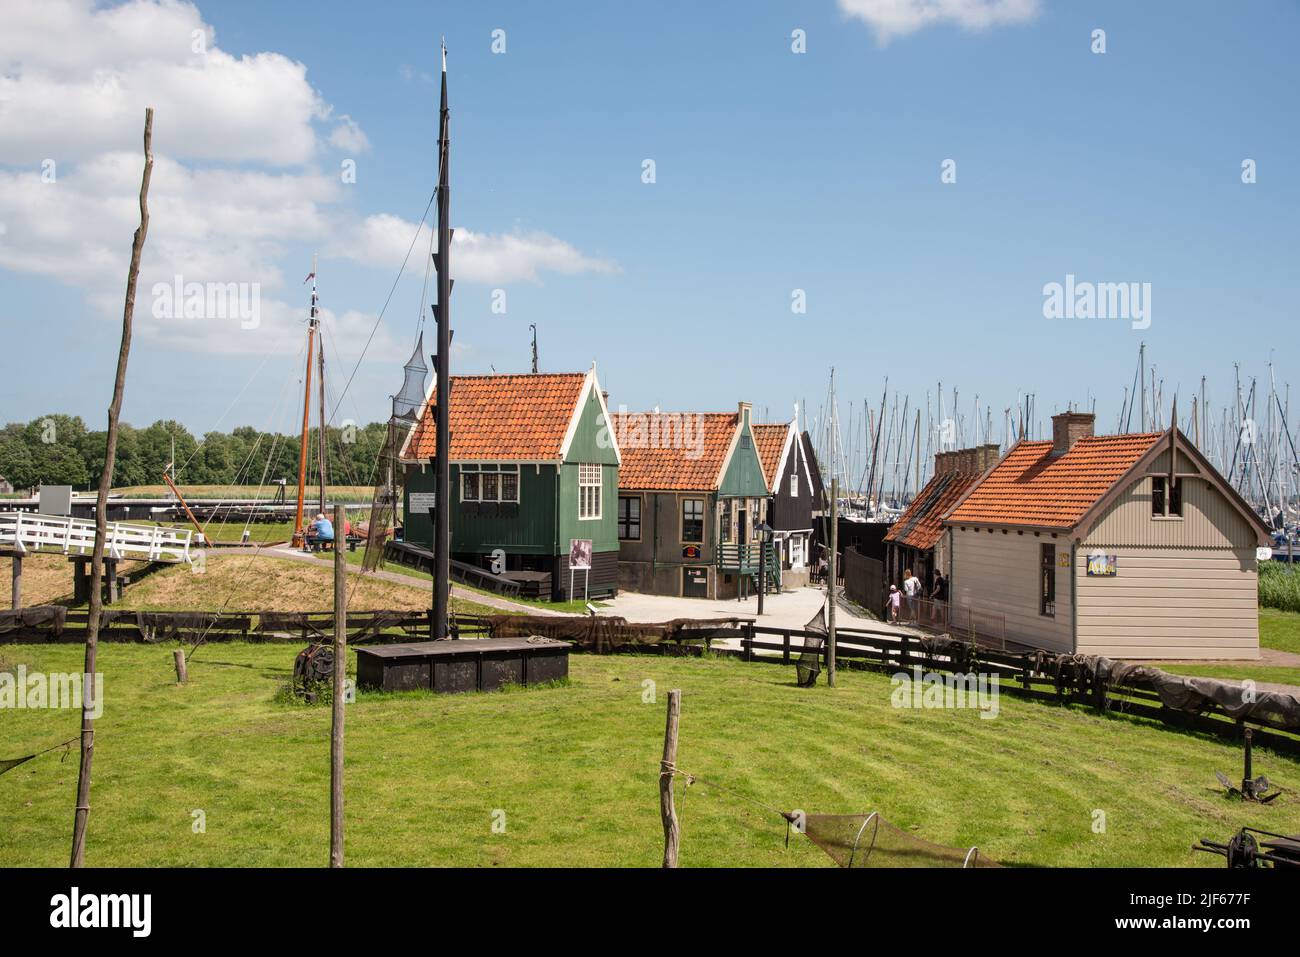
pixel 921 524
pixel 1031 487
pixel 505 417
pixel 770 440
pixel 672 450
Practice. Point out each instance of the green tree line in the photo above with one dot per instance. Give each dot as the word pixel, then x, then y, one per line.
pixel 58 449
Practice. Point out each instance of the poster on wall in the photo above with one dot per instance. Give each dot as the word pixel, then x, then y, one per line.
pixel 1102 565
pixel 422 501
pixel 580 553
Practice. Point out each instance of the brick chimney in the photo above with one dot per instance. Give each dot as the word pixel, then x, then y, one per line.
pixel 966 461
pixel 1068 428
pixel 986 456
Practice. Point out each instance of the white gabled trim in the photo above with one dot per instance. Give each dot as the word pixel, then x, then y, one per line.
pixel 803 457
pixel 790 433
pixel 588 385
pixel 731 450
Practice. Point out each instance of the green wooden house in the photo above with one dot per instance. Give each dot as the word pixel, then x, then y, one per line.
pixel 534 475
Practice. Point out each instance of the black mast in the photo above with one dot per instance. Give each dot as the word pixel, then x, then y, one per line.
pixel 442 369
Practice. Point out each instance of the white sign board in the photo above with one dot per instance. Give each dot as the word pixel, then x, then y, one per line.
pixel 55 500
pixel 422 501
pixel 580 553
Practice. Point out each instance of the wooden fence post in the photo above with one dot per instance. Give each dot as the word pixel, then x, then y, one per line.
pixel 667 768
pixel 17 601
pixel 182 675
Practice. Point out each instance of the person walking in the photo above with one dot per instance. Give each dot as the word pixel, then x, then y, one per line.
pixel 939 594
pixel 912 589
pixel 895 598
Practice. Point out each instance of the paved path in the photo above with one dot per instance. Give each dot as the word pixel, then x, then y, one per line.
pixel 790 609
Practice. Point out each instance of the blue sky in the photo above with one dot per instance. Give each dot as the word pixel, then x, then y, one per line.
pixel 775 171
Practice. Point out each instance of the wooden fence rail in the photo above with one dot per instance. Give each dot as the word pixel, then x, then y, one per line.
pixel 55 624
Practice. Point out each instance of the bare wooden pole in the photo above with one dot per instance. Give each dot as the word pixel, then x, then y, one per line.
pixel 831 579
pixel 667 768
pixel 340 672
pixel 88 704
pixel 182 674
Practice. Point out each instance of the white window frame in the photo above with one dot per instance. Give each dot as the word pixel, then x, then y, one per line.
pixel 590 483
pixel 794 484
pixel 497 469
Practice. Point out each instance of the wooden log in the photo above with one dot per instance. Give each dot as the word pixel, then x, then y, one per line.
pixel 182 675
pixel 667 768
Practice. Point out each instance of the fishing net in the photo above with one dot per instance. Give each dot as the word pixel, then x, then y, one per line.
pixel 809 663
pixel 868 840
pixel 8 764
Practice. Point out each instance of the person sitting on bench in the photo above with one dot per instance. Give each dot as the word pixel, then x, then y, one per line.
pixel 321 534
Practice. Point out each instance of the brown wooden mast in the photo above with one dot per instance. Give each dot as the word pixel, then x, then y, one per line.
pixel 306 413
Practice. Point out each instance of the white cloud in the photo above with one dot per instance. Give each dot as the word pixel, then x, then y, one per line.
pixel 896 18
pixel 75 79
pixel 383 240
pixel 238 183
pixel 348 137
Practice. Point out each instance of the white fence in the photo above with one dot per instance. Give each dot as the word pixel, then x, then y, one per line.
pixel 27 532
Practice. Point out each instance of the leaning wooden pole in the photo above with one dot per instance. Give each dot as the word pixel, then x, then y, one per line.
pixel 667 769
pixel 832 577
pixel 336 707
pixel 101 507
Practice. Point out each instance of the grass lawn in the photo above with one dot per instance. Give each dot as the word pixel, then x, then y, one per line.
pixel 574 769
pixel 1279 629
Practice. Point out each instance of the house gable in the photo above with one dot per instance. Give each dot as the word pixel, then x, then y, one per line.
pixel 589 438
pixel 742 470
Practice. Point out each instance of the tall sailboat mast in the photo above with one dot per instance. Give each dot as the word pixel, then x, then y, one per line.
pixel 442 369
pixel 303 444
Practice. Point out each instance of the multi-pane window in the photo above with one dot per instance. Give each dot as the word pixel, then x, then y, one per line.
pixel 509 486
pixel 589 491
pixel 629 518
pixel 489 483
pixel 794 485
pixel 727 520
pixel 1047 581
pixel 693 520
pixel 1166 499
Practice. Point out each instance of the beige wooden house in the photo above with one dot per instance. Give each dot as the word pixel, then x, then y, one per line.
pixel 1130 546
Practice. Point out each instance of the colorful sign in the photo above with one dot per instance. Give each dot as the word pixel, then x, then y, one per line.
pixel 692 552
pixel 1102 565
